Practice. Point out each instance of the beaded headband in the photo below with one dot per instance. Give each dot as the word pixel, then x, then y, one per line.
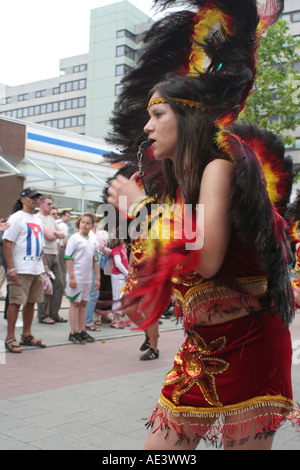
pixel 192 104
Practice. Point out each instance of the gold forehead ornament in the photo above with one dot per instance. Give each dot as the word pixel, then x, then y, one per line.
pixel 192 104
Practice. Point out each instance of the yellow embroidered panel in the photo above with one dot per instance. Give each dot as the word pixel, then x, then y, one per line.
pixel 196 364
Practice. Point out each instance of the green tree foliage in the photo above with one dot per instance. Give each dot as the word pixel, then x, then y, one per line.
pixel 275 101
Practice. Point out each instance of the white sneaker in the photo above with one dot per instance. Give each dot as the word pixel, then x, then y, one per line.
pixel 19 324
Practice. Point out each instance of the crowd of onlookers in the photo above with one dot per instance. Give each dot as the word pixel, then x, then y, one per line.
pixel 44 257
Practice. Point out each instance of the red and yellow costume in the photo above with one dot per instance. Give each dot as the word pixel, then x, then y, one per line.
pixel 230 379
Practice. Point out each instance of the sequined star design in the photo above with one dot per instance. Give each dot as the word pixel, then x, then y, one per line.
pixel 196 365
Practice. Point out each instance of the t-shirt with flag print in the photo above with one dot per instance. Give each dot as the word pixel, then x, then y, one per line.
pixel 26 233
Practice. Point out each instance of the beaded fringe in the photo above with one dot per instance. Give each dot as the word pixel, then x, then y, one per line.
pixel 212 427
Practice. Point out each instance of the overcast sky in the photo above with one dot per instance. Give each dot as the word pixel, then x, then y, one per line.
pixel 36 34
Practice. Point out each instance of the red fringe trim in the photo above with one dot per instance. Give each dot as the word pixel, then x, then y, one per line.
pixel 259 426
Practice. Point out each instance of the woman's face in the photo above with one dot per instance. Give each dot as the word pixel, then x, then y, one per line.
pixel 162 129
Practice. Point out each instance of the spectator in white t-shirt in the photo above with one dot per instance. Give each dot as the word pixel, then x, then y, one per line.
pixel 48 310
pixel 23 246
pixel 82 257
pixel 62 224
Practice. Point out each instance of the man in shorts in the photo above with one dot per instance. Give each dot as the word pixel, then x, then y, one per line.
pixel 23 248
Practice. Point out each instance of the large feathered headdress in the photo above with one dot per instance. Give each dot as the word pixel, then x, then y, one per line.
pixel 215 42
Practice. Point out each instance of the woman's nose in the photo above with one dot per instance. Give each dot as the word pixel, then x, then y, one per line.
pixel 148 127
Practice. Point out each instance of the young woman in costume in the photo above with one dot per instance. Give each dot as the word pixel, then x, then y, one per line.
pixel 231 379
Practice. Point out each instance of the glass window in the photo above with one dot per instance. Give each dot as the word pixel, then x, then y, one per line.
pixel 23 97
pixel 40 93
pixel 79 68
pixel 55 106
pixel 54 123
pixel 82 84
pixel 69 86
pixel 81 120
pixel 125 33
pixel 297 143
pixel 76 85
pixel 61 123
pixel 62 88
pixel 118 89
pixel 120 51
pixel 286 17
pixel 120 70
pixel 55 91
pixel 74 122
pixel 49 107
pixel 296 16
pixel 20 113
pixel 69 104
pixel 62 105
pixel 43 109
pixel 68 122
pixel 37 110
pixel 75 103
pixel 82 102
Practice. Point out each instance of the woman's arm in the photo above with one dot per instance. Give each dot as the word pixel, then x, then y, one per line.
pixel 215 196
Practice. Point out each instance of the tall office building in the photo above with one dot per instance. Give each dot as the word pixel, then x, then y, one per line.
pixel 115 34
pixel 82 98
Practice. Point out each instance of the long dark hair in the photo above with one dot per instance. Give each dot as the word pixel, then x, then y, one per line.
pixel 195 146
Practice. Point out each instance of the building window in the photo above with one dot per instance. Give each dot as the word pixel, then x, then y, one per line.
pixel 70 86
pixel 286 17
pixel 297 143
pixel 125 51
pixel 122 69
pixel 125 33
pixel 65 123
pixel 79 68
pixel 40 93
pixel 7 100
pixel 296 16
pixel 118 89
pixel 23 97
pixel 47 108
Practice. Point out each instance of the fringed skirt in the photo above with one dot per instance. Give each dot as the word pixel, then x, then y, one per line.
pixel 229 381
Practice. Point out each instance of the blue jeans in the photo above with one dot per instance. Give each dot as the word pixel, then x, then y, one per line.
pixel 90 306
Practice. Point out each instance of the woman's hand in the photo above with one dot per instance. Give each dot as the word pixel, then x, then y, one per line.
pixel 124 192
pixel 3 225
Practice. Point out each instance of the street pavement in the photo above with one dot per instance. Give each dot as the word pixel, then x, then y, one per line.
pixel 97 396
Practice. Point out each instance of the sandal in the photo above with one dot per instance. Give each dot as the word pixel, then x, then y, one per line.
pixel 150 355
pixel 61 320
pixel 13 348
pixel 92 328
pixel 31 341
pixel 117 325
pixel 47 321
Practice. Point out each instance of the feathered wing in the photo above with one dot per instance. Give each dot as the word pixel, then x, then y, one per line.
pixel 256 218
